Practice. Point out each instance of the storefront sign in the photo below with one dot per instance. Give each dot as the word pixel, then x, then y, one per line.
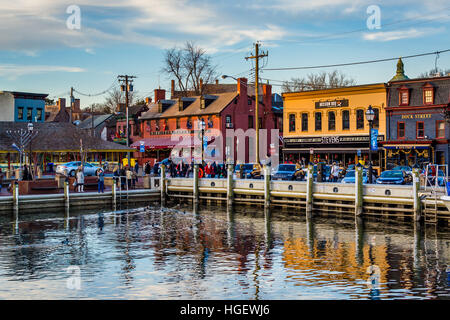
pixel 416 116
pixel 332 104
pixel 330 140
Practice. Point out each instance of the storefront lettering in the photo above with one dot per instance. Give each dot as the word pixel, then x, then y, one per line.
pixel 416 116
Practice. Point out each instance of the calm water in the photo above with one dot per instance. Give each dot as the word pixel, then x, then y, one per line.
pixel 177 254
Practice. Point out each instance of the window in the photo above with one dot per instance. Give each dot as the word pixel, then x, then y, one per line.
pixel 250 122
pixel 39 114
pixel 178 123
pixel 376 118
pixel 260 123
pixel 20 113
pixel 292 123
pixel 331 121
pixel 318 121
pixel 29 114
pixel 346 120
pixel 359 119
pixel 420 129
pixel 403 97
pixel 210 122
pixel 228 119
pixel 440 129
pixel 400 130
pixel 249 101
pixel 428 96
pixel 157 125
pixel 189 123
pixel 304 122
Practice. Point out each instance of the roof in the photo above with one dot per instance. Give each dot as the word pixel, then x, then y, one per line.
pixel 98 120
pixel 56 137
pixel 216 106
pixel 27 94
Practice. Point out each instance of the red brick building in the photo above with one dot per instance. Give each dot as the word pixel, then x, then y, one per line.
pixel 166 121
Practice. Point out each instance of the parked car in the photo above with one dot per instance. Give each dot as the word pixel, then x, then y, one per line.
pixel 285 172
pixel 69 168
pixel 394 177
pixel 350 177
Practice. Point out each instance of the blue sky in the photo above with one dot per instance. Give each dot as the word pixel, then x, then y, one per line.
pixel 40 54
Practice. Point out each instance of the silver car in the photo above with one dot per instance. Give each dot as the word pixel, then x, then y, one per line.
pixel 70 168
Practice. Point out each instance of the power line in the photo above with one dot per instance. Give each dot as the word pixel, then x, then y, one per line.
pixel 96 94
pixel 356 63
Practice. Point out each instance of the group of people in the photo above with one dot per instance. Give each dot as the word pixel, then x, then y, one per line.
pixel 127 175
pixel 79 180
pixel 206 169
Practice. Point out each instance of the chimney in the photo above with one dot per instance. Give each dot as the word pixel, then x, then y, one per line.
pixel 76 105
pixel 61 103
pixel 242 86
pixel 172 89
pixel 201 85
pixel 267 96
pixel 160 94
pixel 217 81
pixel 148 100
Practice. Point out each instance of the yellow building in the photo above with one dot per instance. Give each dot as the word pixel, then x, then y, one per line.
pixel 330 125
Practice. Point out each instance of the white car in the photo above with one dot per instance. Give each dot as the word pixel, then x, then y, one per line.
pixel 70 168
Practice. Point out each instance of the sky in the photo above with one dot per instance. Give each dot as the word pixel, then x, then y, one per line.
pixel 43 50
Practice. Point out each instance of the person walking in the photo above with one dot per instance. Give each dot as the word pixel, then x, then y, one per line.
pixel 80 180
pixel 129 176
pixel 101 180
pixel 136 167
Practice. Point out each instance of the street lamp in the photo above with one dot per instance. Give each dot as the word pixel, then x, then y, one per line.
pixel 225 76
pixel 370 115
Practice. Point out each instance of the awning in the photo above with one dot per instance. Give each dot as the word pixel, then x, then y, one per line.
pixel 165 142
pixel 423 144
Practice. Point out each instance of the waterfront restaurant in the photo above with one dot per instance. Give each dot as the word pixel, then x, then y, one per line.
pixel 57 142
pixel 330 125
pixel 417 130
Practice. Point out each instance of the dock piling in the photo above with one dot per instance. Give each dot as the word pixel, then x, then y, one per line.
pixel 163 185
pixel 230 183
pixel 266 186
pixel 309 190
pixel 16 196
pixel 195 185
pixel 358 190
pixel 66 193
pixel 416 187
pixel 114 193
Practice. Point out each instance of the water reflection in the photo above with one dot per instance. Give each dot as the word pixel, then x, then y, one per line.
pixel 199 253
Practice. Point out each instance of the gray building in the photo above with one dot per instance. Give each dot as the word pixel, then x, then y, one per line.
pixel 416 120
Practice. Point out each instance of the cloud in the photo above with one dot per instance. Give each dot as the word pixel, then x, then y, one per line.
pixel 12 71
pixel 384 36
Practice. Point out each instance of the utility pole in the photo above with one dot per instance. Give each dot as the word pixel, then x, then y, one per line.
pixel 257 56
pixel 72 101
pixel 127 85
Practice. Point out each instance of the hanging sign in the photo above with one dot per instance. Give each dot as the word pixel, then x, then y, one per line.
pixel 374 140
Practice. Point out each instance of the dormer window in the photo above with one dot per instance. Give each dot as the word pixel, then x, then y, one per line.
pixel 428 94
pixel 403 96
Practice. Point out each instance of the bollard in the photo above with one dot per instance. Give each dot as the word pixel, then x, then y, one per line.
pixel 16 196
pixel 163 185
pixel 66 193
pixel 309 190
pixel 230 183
pixel 266 186
pixel 195 184
pixel 358 190
pixel 416 187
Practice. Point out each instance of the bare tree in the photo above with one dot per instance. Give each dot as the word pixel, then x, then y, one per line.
pixel 116 97
pixel 317 81
pixel 433 72
pixel 188 65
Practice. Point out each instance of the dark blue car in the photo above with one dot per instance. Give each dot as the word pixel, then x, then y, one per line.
pixel 393 177
pixel 284 172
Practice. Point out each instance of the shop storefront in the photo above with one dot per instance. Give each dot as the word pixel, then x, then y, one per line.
pixel 331 125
